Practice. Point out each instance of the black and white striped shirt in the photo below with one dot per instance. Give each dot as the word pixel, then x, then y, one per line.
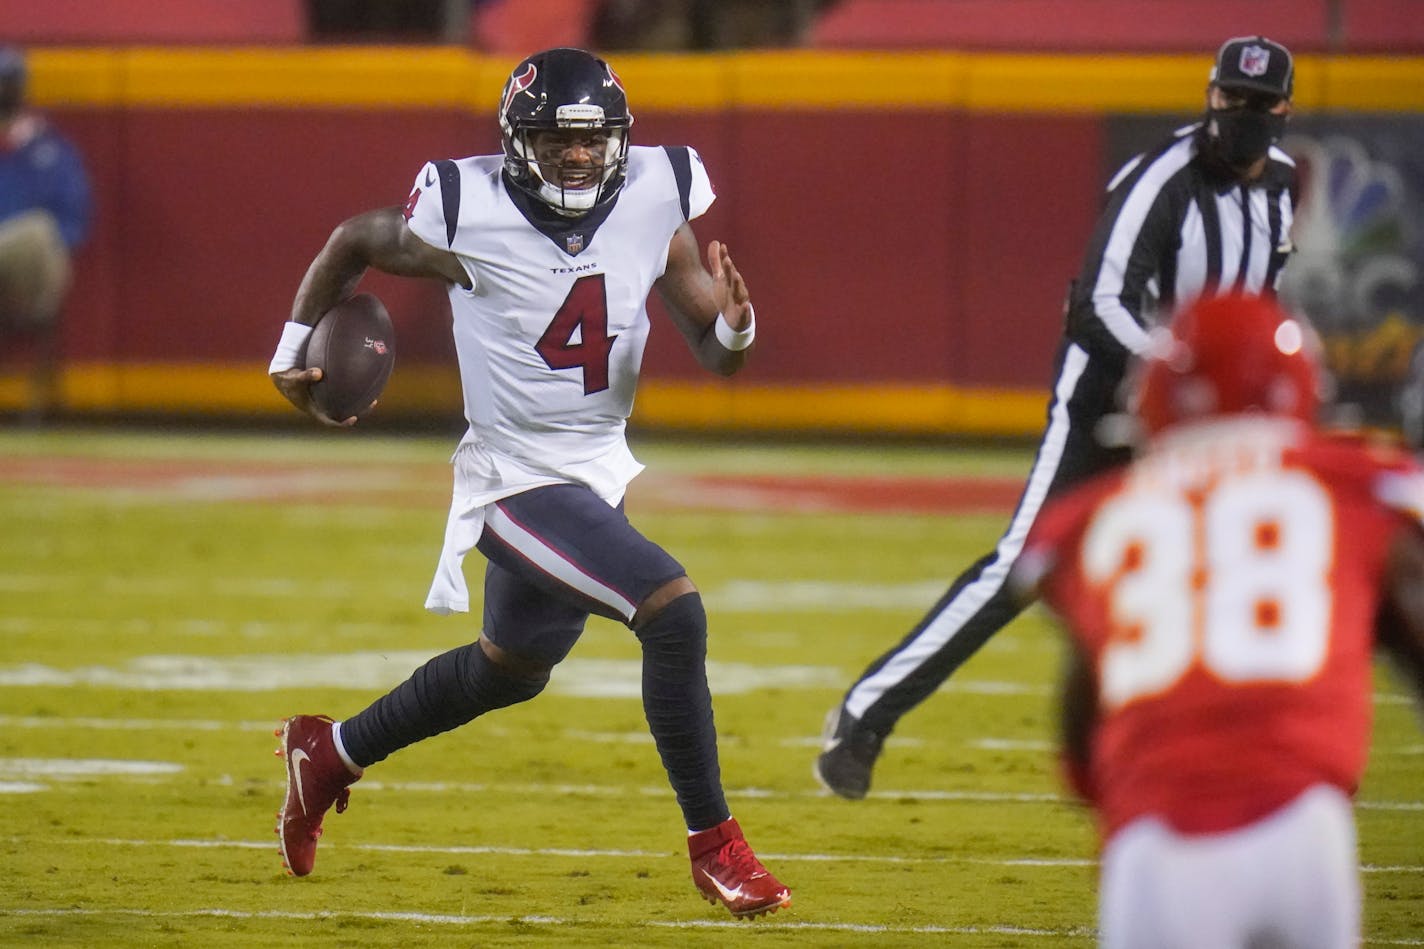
pixel 1175 229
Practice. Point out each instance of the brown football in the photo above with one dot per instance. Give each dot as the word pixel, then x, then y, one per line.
pixel 353 345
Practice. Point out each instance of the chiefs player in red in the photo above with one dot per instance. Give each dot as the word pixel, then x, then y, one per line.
pixel 1225 592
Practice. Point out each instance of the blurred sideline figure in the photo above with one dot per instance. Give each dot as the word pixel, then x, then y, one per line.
pixel 388 21
pixel 549 252
pixel 1224 593
pixel 704 24
pixel 1207 211
pixel 1410 403
pixel 505 25
pixel 45 208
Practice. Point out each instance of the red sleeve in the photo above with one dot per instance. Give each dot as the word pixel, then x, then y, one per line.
pixel 1379 473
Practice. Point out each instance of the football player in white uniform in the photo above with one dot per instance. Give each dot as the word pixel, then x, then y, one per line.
pixel 550 251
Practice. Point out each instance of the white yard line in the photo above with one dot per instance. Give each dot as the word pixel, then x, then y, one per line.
pixel 1034 746
pixel 197 627
pixel 147 772
pixel 133 724
pixel 380 670
pixel 738 596
pixel 83 768
pixel 448 919
pixel 982 743
pixel 585 853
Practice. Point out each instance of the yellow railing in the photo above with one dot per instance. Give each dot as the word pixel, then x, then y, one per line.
pixel 442 77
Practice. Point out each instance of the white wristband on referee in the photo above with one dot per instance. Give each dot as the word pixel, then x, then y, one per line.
pixel 735 340
pixel 289 347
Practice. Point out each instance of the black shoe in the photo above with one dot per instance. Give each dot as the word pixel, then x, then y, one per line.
pixel 847 756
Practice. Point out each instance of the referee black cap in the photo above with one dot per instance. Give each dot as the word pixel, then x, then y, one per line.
pixel 1254 63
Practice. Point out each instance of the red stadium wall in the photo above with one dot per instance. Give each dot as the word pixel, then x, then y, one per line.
pixel 908 223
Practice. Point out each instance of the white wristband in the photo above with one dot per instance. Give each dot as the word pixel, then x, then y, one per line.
pixel 289 348
pixel 735 340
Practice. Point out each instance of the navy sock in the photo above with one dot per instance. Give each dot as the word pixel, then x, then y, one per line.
pixel 678 706
pixel 445 693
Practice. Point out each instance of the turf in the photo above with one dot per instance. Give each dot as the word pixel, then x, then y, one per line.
pixel 167 597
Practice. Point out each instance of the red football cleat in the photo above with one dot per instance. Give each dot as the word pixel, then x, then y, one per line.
pixel 727 872
pixel 316 779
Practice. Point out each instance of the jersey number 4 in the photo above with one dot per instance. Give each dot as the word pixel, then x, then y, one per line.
pixel 578 337
pixel 1238 584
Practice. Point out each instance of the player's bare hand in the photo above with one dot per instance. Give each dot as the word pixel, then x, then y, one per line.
pixel 728 287
pixel 296 385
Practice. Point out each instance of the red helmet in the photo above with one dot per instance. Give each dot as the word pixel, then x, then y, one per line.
pixel 1227 355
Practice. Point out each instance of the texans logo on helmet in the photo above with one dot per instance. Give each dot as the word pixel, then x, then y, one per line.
pixel 616 81
pixel 518 84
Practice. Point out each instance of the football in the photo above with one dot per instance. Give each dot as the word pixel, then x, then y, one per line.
pixel 353 344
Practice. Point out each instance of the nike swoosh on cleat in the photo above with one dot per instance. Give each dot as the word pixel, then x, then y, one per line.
pixel 429 179
pixel 297 757
pixel 728 895
pixel 831 744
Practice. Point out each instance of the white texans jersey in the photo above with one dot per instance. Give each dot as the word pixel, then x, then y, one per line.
pixel 550 338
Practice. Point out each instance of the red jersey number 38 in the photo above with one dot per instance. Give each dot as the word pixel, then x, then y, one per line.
pixel 1214 578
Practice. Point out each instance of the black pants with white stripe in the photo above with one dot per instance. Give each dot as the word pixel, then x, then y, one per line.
pixel 979 603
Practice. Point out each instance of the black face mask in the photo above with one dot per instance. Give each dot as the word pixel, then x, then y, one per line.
pixel 1245 135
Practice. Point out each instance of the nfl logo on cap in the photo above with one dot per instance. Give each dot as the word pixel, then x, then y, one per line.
pixel 1255 60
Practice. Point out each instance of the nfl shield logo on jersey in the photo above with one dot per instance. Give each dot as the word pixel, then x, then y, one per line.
pixel 1255 60
pixel 574 243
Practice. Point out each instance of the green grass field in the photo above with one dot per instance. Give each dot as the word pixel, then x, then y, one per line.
pixel 166 598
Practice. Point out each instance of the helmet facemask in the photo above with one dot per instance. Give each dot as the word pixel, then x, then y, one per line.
pixel 571 189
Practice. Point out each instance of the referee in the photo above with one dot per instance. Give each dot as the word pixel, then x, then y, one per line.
pixel 1207 212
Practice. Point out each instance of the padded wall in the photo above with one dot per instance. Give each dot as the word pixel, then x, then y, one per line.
pixel 908 223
